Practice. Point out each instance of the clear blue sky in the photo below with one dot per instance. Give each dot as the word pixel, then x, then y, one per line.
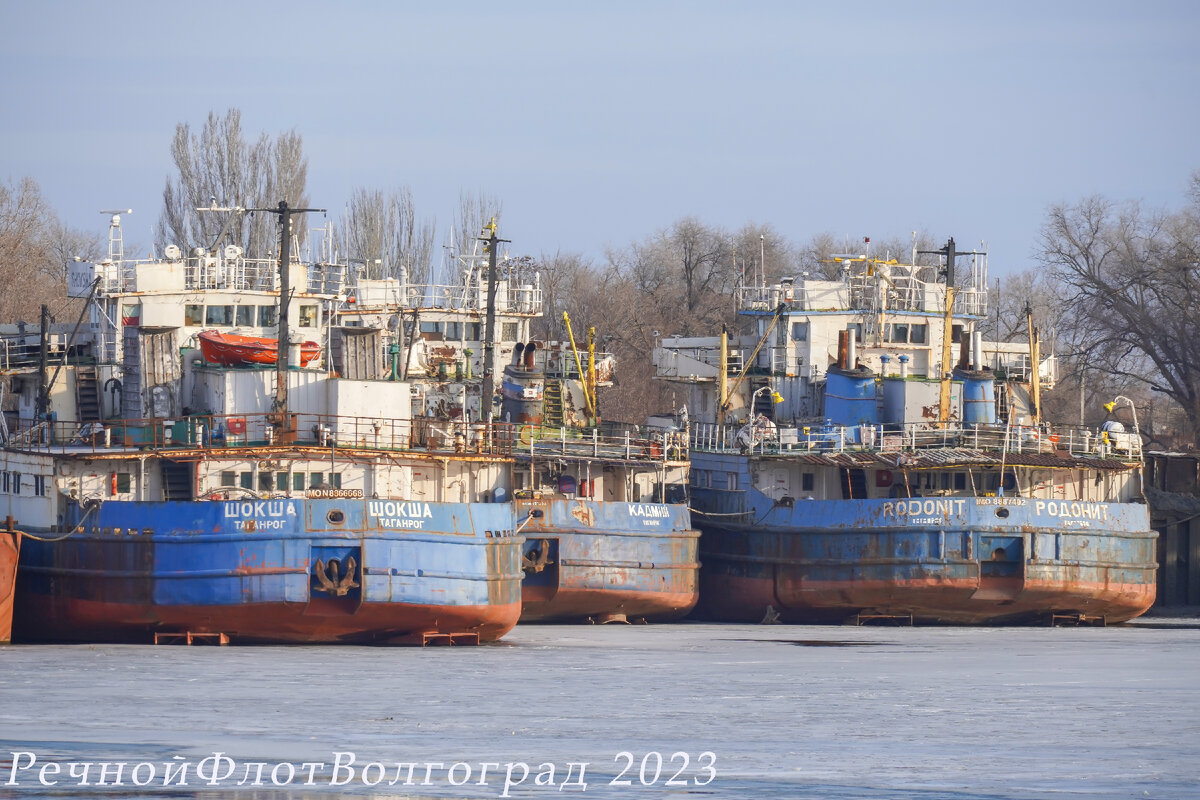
pixel 599 123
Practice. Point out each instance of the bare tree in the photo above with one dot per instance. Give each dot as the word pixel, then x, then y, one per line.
pixel 569 283
pixel 382 231
pixel 36 250
pixel 1132 283
pixel 474 211
pixel 218 167
pixel 761 250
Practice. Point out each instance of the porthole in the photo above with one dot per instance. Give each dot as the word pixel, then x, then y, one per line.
pixel 1002 513
pixel 336 517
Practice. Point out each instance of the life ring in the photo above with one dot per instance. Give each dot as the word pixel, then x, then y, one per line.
pixel 236 425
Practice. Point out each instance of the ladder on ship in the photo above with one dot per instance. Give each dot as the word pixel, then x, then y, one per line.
pixel 176 480
pixel 552 404
pixel 763 402
pixel 87 394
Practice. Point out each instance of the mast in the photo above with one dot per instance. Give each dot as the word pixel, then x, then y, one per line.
pixel 43 395
pixel 950 254
pixel 489 337
pixel 1035 378
pixel 283 345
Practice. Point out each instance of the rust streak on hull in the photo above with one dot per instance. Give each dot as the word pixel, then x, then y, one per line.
pixel 10 551
pixel 269 623
pixel 547 605
pixel 942 600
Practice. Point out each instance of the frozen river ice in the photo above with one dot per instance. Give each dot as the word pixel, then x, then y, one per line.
pixel 783 711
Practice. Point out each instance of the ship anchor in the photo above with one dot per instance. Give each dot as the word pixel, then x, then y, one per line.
pixel 537 560
pixel 327 577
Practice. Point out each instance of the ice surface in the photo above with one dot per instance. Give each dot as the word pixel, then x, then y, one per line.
pixel 789 711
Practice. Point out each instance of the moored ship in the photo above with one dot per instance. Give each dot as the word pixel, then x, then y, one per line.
pixel 173 498
pixel 603 508
pixel 844 467
pixel 10 550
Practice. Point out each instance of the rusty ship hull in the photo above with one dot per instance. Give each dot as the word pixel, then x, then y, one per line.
pixel 835 561
pixel 280 571
pixel 10 550
pixel 607 561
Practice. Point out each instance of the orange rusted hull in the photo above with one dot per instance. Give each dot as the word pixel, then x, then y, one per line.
pixel 586 559
pixel 963 601
pixel 541 604
pixel 10 551
pixel 64 619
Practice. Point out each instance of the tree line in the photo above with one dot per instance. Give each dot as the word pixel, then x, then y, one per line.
pixel 1115 290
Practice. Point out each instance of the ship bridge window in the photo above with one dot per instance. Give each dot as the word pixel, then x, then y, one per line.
pixel 799 331
pixel 508 332
pixel 124 482
pixel 806 481
pixel 218 315
pixel 453 330
pixel 39 485
pixel 917 334
pixel 245 316
pixel 267 316
pixel 956 332
pixel 266 481
pixel 474 332
pixel 193 316
pixel 246 480
pixel 308 316
pixel 298 481
pixel 229 479
pixel 431 331
pixel 896 332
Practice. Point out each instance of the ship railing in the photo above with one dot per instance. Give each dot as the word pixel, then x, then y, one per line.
pixel 267 431
pixel 821 437
pixel 511 297
pixel 649 445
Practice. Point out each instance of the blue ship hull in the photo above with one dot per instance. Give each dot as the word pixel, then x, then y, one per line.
pixel 947 559
pixel 287 570
pixel 586 559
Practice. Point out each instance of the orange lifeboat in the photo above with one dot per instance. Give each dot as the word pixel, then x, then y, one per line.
pixel 232 350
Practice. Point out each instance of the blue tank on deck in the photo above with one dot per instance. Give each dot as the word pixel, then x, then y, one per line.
pixel 850 397
pixel 978 396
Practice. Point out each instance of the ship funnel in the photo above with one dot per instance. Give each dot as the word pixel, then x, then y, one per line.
pixel 516 358
pixel 529 351
pixel 977 350
pixel 851 350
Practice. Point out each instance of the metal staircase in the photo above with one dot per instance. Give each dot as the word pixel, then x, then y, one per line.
pixel 87 394
pixel 552 403
pixel 176 480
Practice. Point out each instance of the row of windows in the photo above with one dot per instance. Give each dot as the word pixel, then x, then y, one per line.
pixel 279 481
pixel 893 332
pixel 703 478
pixel 465 331
pixel 243 316
pixel 14 483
